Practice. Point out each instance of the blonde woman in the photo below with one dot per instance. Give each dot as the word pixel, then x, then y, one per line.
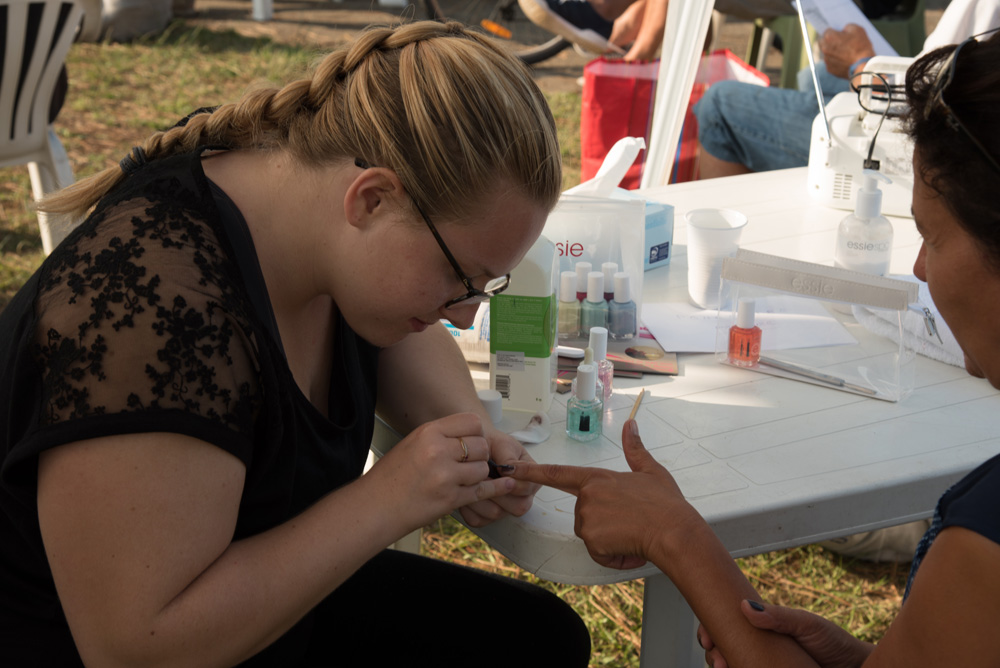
pixel 189 381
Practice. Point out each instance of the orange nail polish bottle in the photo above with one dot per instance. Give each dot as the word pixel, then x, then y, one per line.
pixel 744 336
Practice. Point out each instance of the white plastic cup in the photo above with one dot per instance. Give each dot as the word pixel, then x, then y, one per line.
pixel 712 236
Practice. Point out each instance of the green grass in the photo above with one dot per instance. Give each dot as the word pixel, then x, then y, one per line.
pixel 121 92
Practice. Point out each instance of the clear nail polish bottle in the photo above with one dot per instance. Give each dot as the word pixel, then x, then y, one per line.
pixel 588 358
pixel 582 271
pixel 609 269
pixel 569 307
pixel 585 408
pixel 595 309
pixel 744 336
pixel 605 369
pixel 621 310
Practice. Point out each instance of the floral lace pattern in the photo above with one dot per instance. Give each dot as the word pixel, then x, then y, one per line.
pixel 141 311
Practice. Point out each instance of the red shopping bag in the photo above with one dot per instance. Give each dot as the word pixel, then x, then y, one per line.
pixel 721 65
pixel 617 102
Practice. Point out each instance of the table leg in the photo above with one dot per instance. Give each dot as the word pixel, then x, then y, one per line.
pixel 668 628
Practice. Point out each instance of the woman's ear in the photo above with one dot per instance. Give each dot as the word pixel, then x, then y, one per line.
pixel 376 192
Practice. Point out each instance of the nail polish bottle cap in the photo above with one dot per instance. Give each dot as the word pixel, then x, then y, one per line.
pixel 588 355
pixel 595 287
pixel 567 286
pixel 586 382
pixel 745 313
pixel 599 342
pixel 582 269
pixel 623 288
pixel 609 269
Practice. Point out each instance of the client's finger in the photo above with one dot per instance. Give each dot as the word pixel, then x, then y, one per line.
pixel 566 478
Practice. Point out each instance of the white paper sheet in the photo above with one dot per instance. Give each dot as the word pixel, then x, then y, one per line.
pixel 683 328
pixel 838 13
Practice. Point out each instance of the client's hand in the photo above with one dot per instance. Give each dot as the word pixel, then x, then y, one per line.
pixel 843 48
pixel 829 645
pixel 622 517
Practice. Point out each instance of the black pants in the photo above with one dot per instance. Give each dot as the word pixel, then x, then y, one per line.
pixel 401 609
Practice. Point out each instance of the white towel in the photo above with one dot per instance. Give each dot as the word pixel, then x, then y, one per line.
pixel 914 328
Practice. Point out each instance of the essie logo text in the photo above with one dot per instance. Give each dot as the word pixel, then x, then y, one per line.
pixel 811 286
pixel 571 249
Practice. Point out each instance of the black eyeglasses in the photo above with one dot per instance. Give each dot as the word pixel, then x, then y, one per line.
pixel 945 75
pixel 474 295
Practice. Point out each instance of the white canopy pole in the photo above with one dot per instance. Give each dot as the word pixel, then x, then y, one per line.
pixel 683 41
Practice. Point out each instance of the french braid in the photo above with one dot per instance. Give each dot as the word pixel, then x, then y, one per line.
pixel 449 111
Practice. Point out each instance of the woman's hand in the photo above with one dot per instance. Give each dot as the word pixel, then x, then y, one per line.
pixel 504 451
pixel 439 467
pixel 829 645
pixel 622 517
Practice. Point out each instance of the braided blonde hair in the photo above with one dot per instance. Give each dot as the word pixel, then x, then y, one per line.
pixel 451 112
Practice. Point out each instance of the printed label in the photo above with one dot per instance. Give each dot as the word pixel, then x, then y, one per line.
pixel 510 360
pixel 659 252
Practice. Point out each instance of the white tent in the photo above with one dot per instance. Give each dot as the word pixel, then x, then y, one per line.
pixel 683 39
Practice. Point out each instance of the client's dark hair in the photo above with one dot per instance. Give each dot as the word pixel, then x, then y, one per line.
pixel 950 162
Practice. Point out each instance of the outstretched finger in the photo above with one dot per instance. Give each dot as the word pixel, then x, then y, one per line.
pixel 565 478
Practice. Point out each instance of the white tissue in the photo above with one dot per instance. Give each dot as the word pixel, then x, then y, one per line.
pixel 616 163
pixel 537 430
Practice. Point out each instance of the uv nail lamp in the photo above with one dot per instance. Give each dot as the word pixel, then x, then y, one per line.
pixel 847 132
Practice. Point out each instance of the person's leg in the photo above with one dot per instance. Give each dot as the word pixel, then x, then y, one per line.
pixel 710 167
pixel 403 609
pixel 757 127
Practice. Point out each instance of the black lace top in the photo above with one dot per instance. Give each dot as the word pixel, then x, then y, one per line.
pixel 153 316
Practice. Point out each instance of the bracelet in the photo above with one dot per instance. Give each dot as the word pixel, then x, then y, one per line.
pixel 857 63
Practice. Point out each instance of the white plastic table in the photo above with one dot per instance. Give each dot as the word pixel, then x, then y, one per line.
pixel 769 462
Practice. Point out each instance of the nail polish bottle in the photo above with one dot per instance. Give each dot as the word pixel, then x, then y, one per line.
pixel 569 307
pixel 621 310
pixel 605 369
pixel 595 309
pixel 588 358
pixel 609 269
pixel 585 408
pixel 582 271
pixel 744 336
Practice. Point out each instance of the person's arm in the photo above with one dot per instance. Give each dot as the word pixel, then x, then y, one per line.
pixel 425 377
pixel 950 616
pixel 846 51
pixel 138 531
pixel 650 36
pixel 626 518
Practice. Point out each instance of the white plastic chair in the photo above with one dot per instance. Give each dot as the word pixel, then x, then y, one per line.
pixel 31 67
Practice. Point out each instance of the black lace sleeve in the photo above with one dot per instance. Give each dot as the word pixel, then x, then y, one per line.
pixel 141 326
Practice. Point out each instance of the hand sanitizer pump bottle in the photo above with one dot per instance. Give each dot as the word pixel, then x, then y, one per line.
pixel 864 238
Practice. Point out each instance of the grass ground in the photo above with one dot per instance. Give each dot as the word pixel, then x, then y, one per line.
pixel 120 93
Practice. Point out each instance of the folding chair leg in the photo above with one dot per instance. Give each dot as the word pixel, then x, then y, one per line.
pixel 47 176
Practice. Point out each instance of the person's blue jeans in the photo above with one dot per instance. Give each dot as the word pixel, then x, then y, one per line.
pixel 762 128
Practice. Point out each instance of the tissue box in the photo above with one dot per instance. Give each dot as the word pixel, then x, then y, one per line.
pixel 659 234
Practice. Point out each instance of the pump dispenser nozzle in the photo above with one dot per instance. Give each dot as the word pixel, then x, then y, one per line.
pixel 869 204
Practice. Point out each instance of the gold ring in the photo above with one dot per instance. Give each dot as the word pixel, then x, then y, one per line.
pixel 465 450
